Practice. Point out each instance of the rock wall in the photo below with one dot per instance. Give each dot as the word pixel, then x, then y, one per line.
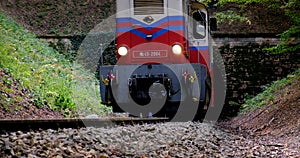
pixel 66 45
pixel 70 17
pixel 249 68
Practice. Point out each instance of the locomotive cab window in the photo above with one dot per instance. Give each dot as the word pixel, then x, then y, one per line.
pixel 148 7
pixel 199 24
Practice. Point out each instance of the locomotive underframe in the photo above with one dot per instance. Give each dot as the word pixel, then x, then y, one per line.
pixel 172 83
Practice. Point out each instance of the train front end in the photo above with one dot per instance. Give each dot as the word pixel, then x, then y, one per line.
pixel 153 66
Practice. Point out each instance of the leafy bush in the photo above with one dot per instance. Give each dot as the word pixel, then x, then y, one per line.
pixel 268 95
pixel 51 79
pixel 231 16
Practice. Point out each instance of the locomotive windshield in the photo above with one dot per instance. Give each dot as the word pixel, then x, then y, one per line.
pixel 199 26
pixel 146 7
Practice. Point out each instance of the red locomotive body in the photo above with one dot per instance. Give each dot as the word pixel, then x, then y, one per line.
pixel 163 56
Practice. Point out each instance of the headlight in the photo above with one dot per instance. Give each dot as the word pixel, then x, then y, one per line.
pixel 122 51
pixel 177 49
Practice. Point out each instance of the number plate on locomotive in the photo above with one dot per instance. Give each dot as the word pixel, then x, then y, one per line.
pixel 150 54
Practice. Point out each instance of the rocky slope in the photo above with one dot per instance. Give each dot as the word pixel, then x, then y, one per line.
pixel 278 120
pixel 279 117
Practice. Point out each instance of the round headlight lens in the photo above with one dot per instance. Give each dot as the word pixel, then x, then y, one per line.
pixel 177 49
pixel 122 51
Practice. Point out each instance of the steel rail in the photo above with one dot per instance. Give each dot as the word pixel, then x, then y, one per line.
pixel 43 124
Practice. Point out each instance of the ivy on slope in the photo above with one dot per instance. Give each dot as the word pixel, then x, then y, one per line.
pixel 270 93
pixel 50 78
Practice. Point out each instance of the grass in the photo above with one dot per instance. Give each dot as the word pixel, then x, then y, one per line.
pixel 51 79
pixel 269 94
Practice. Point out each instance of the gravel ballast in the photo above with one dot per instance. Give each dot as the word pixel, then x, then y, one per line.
pixel 187 139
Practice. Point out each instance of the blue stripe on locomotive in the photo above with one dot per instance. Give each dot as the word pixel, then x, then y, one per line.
pixel 151 26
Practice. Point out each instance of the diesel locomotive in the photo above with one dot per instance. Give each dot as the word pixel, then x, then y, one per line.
pixel 163 57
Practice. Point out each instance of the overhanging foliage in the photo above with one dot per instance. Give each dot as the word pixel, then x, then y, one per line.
pixel 290 37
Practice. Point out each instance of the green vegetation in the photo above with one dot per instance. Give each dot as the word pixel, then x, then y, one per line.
pixel 6 84
pixel 231 16
pixel 290 36
pixel 269 94
pixel 50 78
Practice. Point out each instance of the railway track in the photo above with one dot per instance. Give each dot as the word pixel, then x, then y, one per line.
pixel 43 124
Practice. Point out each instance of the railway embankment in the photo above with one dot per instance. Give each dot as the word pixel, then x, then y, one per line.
pixel 35 77
pixel 269 130
pixel 248 66
pixel 269 127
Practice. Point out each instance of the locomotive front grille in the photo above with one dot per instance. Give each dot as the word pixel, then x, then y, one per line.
pixel 147 7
